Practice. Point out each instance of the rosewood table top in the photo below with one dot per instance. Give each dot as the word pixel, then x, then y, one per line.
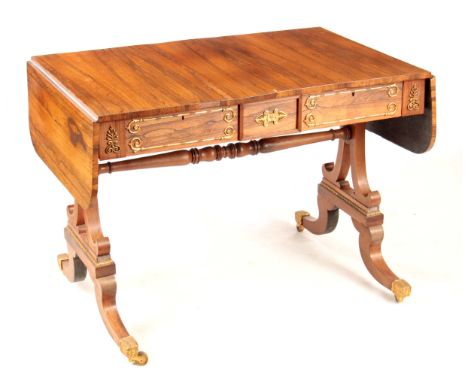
pixel 173 77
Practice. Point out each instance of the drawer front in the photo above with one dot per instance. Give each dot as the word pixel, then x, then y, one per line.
pixel 170 132
pixel 351 106
pixel 266 119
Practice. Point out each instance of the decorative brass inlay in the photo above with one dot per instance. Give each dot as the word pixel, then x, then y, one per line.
pixel 134 127
pixel 391 108
pixel 400 289
pixel 229 115
pixel 413 102
pixel 299 215
pixel 136 144
pixel 392 90
pixel 100 262
pixel 349 200
pixel 228 132
pixel 309 120
pixel 311 102
pixel 275 116
pixel 112 139
pixel 129 347
pixel 359 90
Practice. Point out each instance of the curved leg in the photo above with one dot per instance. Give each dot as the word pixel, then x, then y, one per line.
pixel 328 213
pixel 106 289
pixel 359 202
pixel 370 240
pixel 89 251
pixel 326 221
pixel 371 230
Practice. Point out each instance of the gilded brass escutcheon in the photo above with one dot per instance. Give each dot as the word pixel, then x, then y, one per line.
pixel 267 116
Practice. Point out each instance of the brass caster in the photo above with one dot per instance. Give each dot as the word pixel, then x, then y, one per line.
pixel 129 347
pixel 400 289
pixel 299 216
pixel 61 259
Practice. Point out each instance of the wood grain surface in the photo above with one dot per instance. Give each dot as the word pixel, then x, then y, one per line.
pixel 413 98
pixel 250 128
pixel 81 103
pixel 181 130
pixel 232 150
pixel 416 133
pixel 351 106
pixel 63 136
pixel 146 80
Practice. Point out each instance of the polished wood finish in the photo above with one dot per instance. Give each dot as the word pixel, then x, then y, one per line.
pixel 117 146
pixel 147 135
pixel 413 98
pixel 415 133
pixel 258 119
pixel 148 81
pixel 117 103
pixel 157 79
pixel 209 154
pixel 89 249
pixel 360 203
pixel 63 136
pixel 351 106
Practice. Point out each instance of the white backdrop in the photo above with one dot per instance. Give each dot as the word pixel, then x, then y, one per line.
pixel 214 281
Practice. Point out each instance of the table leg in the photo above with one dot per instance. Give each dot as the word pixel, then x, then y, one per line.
pixel 89 251
pixel 360 203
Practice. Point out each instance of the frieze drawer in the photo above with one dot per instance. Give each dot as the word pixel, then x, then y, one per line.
pixel 269 118
pixel 168 132
pixel 347 106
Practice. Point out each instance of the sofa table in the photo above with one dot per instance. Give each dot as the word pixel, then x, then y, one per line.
pixel 104 111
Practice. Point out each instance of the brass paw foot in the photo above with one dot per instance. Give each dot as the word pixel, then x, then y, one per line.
pixel 129 347
pixel 400 289
pixel 299 215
